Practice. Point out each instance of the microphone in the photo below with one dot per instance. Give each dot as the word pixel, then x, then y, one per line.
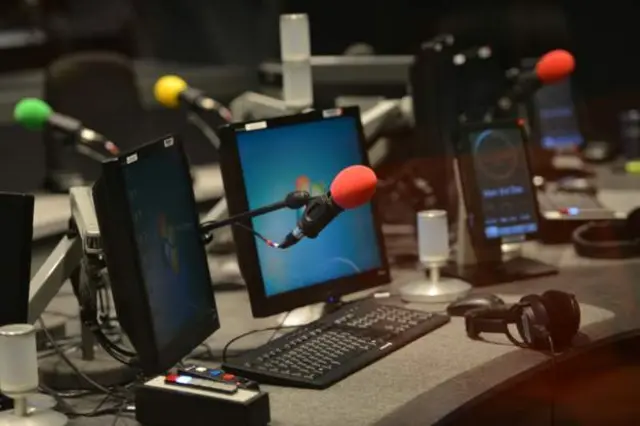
pixel 550 68
pixel 171 91
pixel 353 187
pixel 35 114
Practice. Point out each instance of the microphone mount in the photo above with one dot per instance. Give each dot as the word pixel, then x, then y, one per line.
pixel 86 141
pixel 78 258
pixel 293 200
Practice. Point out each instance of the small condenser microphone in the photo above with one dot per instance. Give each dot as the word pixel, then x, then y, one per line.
pixel 171 91
pixel 35 114
pixel 550 68
pixel 353 187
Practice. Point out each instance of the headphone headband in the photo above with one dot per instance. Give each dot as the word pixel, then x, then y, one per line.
pixel 614 239
pixel 554 316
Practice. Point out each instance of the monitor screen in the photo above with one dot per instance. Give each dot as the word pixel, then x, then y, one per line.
pixel 276 160
pixel 504 182
pixel 16 217
pixel 169 244
pixel 556 117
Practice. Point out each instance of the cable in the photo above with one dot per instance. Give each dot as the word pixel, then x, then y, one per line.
pixel 275 333
pixel 248 333
pixel 261 237
pixel 70 363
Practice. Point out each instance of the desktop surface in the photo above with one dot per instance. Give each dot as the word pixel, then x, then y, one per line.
pixel 442 373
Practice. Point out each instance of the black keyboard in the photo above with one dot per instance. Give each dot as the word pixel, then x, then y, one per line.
pixel 326 351
pixel 561 200
pixel 561 212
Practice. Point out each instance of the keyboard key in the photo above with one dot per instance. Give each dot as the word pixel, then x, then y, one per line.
pixel 328 350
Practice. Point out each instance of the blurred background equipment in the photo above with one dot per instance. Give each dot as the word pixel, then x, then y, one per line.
pixel 100 90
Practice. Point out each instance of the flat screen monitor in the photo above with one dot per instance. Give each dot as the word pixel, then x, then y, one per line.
pixel 496 181
pixel 265 160
pixel 16 217
pixel 553 118
pixel 155 254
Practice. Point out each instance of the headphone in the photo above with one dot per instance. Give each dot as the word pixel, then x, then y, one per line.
pixel 615 239
pixel 544 322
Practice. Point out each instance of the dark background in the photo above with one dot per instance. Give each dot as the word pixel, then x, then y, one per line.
pixel 245 32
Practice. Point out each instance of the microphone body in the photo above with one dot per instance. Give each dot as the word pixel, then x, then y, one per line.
pixel 318 214
pixel 83 136
pixel 196 99
pixel 526 85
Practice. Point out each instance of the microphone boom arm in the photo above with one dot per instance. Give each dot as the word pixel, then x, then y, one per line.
pixel 293 200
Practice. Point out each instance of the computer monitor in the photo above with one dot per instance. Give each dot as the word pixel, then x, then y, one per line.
pixel 551 112
pixel 16 217
pixel 261 162
pixel 496 182
pixel 155 254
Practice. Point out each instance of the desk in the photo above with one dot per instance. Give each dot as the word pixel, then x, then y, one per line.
pixel 431 379
pixel 451 369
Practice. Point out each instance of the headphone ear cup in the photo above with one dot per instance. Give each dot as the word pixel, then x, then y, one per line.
pixel 563 312
pixel 531 318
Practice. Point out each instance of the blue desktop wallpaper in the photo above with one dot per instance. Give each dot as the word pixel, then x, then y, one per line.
pixel 306 156
pixel 171 253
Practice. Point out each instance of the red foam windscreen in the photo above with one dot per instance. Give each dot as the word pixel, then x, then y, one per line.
pixel 555 65
pixel 353 186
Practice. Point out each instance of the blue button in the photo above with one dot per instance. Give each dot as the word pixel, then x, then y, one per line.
pixel 215 372
pixel 491 231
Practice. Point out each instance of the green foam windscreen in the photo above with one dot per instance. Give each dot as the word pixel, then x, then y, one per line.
pixel 32 113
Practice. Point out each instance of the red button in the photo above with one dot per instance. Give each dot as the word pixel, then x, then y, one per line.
pixel 228 377
pixel 563 211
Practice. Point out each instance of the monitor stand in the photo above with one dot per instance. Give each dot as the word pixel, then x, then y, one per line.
pixel 307 314
pixel 61 181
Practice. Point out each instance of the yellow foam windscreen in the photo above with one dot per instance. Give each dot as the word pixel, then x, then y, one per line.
pixel 167 89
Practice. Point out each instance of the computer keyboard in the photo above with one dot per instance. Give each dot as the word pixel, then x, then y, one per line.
pixel 560 200
pixel 561 212
pixel 326 351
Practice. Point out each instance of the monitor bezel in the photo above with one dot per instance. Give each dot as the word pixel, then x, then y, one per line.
pixel 471 191
pixel 123 264
pixel 21 207
pixel 263 305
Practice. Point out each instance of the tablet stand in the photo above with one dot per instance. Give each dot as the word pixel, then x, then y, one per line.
pixel 483 263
